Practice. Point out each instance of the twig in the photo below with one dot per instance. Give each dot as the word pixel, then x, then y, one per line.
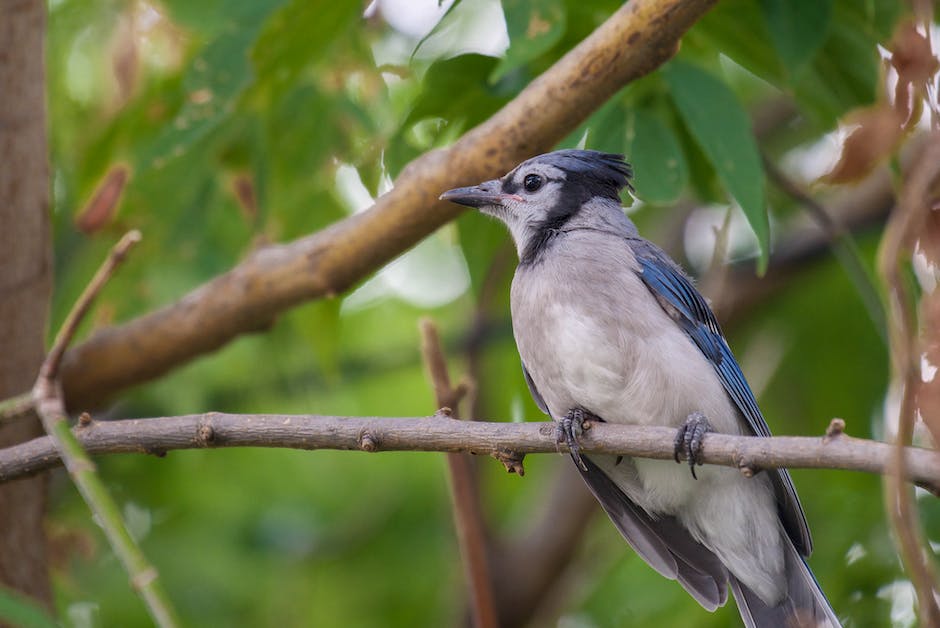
pixel 50 366
pixel 843 245
pixel 160 435
pixel 863 206
pixel 50 406
pixel 468 515
pixel 16 408
pixel 903 228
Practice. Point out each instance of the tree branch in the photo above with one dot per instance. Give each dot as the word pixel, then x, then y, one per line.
pixel 194 431
pixel 50 406
pixel 632 42
pixel 905 228
pixel 841 242
pixel 464 489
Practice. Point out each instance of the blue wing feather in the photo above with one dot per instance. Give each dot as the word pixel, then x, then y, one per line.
pixel 691 312
pixel 697 320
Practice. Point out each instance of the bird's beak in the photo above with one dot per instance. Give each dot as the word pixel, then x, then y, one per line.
pixel 477 195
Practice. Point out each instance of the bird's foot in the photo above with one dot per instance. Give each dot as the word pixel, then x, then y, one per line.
pixel 569 430
pixel 690 438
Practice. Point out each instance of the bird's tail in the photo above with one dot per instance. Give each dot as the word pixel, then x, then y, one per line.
pixel 805 606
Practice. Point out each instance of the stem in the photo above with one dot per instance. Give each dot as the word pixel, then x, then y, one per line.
pixel 50 406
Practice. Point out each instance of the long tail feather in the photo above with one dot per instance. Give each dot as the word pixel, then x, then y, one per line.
pixel 804 607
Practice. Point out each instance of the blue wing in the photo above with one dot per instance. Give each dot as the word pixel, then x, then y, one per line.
pixel 688 308
pixel 696 319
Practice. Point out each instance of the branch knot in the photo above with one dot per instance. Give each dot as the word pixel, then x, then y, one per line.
pixel 205 435
pixel 367 442
pixel 836 428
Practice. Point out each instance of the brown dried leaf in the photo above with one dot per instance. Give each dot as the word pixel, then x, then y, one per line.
pixel 911 55
pixel 879 131
pixel 99 211
pixel 244 189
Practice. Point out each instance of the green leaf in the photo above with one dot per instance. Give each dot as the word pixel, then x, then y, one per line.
pixel 534 27
pixel 798 29
pixel 299 34
pixel 17 610
pixel 722 128
pixel 650 145
pixel 481 240
pixel 457 90
pixel 737 29
pixel 841 74
pixel 659 165
pixel 212 84
pixel 845 74
pixel 606 129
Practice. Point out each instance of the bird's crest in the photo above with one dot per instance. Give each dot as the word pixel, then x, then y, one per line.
pixel 604 173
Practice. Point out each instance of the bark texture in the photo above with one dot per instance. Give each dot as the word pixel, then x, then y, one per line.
pixel 25 276
pixel 750 454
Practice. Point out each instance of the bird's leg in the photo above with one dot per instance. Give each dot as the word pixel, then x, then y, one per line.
pixel 689 439
pixel 569 430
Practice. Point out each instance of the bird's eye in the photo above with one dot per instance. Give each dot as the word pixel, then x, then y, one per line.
pixel 532 182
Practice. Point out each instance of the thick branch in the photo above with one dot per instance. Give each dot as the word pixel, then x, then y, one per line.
pixel 634 41
pixel 159 435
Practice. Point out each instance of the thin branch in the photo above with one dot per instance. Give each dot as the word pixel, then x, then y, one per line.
pixel 843 245
pixel 864 206
pixel 50 366
pixel 50 406
pixel 372 434
pixel 16 408
pixel 468 514
pixel 903 230
pixel 632 42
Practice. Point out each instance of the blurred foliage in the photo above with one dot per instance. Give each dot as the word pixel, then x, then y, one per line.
pixel 243 122
pixel 22 611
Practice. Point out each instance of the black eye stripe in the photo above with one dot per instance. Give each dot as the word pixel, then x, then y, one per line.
pixel 510 186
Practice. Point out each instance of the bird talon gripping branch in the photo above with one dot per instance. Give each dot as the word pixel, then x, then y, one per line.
pixel 690 438
pixel 570 428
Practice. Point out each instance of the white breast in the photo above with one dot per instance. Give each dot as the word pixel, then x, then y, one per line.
pixel 602 342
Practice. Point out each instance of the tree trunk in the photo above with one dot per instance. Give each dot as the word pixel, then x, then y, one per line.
pixel 25 276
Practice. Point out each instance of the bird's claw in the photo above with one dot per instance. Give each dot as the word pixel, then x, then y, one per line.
pixel 690 438
pixel 570 428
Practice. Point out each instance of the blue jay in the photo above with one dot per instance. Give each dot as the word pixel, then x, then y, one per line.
pixel 610 328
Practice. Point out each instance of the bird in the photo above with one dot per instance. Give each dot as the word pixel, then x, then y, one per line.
pixel 610 328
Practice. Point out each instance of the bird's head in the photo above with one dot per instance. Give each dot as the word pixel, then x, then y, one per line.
pixel 542 195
